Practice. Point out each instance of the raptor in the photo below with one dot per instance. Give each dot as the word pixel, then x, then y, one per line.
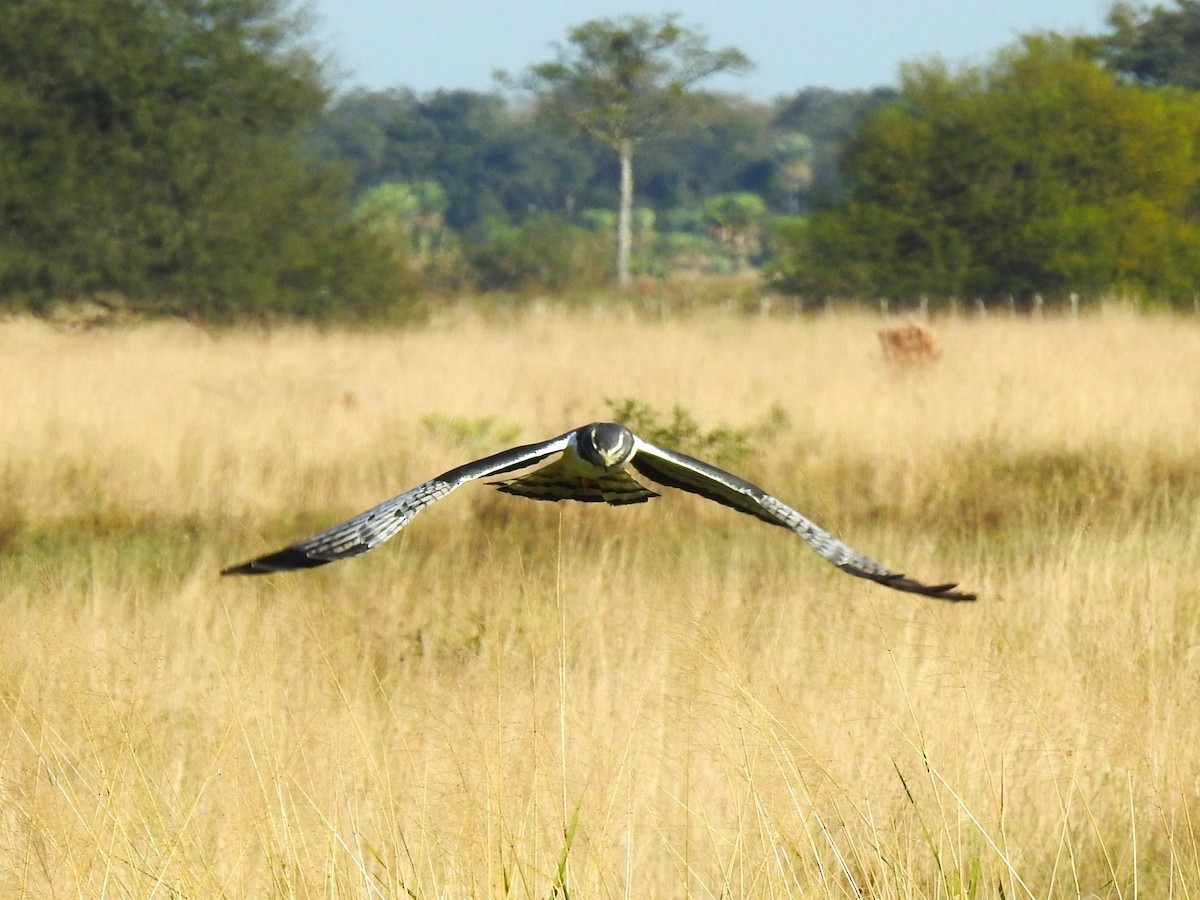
pixel 592 468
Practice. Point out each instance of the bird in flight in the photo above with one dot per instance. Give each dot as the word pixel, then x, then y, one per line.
pixel 591 469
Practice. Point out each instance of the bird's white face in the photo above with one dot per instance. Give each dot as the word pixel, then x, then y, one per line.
pixel 605 444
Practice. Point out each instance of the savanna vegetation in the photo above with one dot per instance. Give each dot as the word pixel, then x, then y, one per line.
pixel 537 700
pixel 548 700
pixel 194 158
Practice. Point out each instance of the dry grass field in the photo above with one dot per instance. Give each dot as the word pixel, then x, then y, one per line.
pixel 532 700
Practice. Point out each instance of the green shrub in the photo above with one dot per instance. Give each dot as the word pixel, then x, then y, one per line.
pixel 542 253
pixel 680 431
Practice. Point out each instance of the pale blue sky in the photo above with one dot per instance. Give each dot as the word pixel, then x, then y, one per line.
pixel 429 44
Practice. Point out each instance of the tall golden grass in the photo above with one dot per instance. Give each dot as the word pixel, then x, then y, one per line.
pixel 553 700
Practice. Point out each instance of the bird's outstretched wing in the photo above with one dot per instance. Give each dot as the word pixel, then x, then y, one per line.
pixel 678 470
pixel 369 529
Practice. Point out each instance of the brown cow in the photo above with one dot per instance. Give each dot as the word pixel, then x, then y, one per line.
pixel 910 344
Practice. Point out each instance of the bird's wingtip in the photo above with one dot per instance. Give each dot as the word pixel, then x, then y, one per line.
pixel 956 596
pixel 287 560
pixel 939 591
pixel 250 568
pixel 899 582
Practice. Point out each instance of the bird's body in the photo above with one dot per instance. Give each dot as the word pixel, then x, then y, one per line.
pixel 592 469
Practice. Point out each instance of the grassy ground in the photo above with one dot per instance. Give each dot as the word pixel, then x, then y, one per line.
pixel 552 700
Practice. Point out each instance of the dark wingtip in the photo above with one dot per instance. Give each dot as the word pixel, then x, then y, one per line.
pixel 944 592
pixel 938 591
pixel 901 583
pixel 287 560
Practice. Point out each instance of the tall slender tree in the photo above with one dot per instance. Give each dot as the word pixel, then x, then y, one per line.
pixel 621 81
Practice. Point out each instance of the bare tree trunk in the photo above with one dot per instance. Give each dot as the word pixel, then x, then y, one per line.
pixel 625 214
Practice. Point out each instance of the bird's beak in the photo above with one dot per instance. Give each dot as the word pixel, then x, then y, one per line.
pixel 611 458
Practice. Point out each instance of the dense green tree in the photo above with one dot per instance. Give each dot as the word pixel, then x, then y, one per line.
pixel 721 144
pixel 408 220
pixel 1038 173
pixel 736 223
pixel 144 151
pixel 492 161
pixel 408 215
pixel 827 118
pixel 620 82
pixel 793 153
pixel 379 135
pixel 1156 45
pixel 544 252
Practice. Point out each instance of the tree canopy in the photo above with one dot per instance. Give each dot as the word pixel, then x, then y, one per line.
pixel 146 151
pixel 186 156
pixel 620 80
pixel 623 81
pixel 1041 172
pixel 1154 45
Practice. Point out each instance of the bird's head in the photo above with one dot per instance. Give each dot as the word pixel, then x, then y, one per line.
pixel 605 444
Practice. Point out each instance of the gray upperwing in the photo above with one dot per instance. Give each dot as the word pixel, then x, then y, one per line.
pixel 369 529
pixel 678 470
pixel 681 471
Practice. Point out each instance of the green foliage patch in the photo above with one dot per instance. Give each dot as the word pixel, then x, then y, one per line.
pixel 679 430
pixel 185 158
pixel 148 152
pixel 543 253
pixel 1041 172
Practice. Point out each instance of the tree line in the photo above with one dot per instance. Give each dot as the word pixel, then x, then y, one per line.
pixel 190 157
pixel 1060 168
pixel 498 194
